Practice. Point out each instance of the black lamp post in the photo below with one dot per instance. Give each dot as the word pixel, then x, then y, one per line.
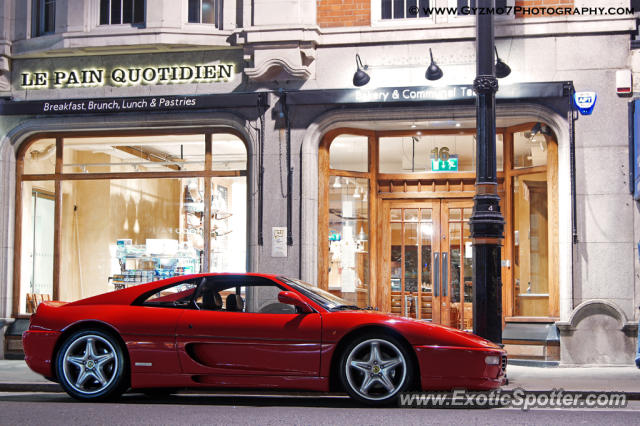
pixel 486 223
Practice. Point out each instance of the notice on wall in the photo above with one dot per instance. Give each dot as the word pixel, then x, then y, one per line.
pixel 278 241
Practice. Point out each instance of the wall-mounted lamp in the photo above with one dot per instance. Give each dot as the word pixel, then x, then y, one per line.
pixel 502 69
pixel 433 72
pixel 542 129
pixel 360 78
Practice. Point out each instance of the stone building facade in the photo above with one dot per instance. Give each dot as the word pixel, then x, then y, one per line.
pixel 372 208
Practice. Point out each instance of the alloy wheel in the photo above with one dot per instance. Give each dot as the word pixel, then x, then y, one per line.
pixel 90 364
pixel 376 369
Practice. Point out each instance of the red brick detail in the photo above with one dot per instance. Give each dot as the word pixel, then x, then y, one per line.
pixel 343 13
pixel 555 4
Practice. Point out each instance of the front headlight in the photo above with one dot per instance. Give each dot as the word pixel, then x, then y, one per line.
pixel 492 360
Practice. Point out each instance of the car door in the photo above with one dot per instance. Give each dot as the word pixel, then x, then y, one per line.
pixel 149 328
pixel 264 337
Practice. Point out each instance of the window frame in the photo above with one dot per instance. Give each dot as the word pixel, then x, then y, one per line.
pixel 39 25
pixel 58 177
pixel 140 24
pixel 224 283
pixel 376 214
pixel 377 21
pixel 217 9
pixel 144 299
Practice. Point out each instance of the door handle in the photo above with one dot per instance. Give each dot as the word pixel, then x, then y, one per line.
pixel 445 275
pixel 436 275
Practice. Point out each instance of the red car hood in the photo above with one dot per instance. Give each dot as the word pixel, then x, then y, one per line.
pixel 418 332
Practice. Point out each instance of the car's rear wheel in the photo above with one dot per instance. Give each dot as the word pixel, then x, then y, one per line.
pixel 374 369
pixel 91 366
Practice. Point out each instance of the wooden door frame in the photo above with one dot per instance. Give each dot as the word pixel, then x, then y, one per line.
pixel 448 186
pixel 384 252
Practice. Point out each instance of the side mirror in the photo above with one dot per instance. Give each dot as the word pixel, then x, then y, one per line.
pixel 291 298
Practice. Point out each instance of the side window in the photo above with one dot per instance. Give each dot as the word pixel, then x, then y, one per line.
pixel 258 297
pixel 263 299
pixel 179 295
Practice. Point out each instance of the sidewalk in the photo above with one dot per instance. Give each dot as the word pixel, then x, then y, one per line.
pixel 15 376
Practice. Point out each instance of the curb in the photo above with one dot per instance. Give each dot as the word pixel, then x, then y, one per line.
pixel 56 388
pixel 30 387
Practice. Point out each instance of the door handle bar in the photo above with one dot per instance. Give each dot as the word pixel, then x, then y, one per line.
pixel 445 275
pixel 436 275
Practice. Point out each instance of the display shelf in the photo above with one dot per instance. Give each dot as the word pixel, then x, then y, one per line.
pixel 137 266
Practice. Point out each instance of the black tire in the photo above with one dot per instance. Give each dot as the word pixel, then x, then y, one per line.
pixel 91 366
pixel 385 380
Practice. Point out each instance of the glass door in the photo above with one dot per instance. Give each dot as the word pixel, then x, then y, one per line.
pixel 457 264
pixel 410 245
pixel 428 260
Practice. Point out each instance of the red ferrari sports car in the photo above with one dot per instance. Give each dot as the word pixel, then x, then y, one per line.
pixel 248 331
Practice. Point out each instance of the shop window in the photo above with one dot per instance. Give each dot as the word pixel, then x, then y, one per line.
pixel 431 153
pixel 530 242
pixel 40 157
pixel 43 17
pixel 124 219
pixel 348 269
pixel 158 153
pixel 529 150
pixel 228 152
pixel 113 12
pixel 121 232
pixel 349 152
pixel 202 11
pixel 37 244
pixel 228 224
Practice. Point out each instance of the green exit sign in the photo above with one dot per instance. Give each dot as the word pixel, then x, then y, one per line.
pixel 449 165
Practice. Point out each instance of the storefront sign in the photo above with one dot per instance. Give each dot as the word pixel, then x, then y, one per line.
pixel 463 92
pixel 131 104
pixel 202 72
pixel 61 78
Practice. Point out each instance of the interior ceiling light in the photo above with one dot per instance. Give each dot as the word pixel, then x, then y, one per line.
pixel 433 72
pixel 502 69
pixel 360 78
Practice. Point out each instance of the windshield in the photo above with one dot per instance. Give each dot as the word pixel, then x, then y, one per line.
pixel 321 297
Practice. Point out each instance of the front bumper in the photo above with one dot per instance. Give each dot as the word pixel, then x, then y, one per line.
pixel 448 368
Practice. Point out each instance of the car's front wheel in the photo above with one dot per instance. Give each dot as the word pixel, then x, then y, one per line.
pixel 374 369
pixel 91 366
